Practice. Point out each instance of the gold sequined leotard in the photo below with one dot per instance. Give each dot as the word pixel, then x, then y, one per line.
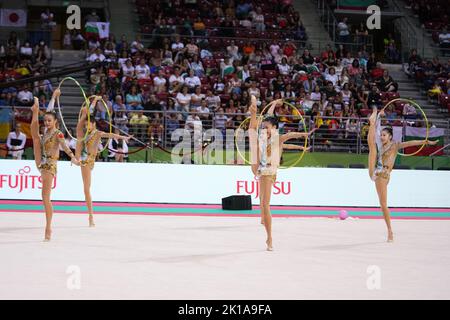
pixel 385 155
pixel 49 161
pixel 88 158
pixel 268 162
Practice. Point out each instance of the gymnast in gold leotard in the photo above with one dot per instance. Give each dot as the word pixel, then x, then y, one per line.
pixel 46 155
pixel 266 147
pixel 87 150
pixel 382 154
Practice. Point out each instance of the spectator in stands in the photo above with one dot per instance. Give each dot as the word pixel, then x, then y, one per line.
pixel 387 84
pixel 258 20
pixel 15 143
pixel 192 81
pixel 444 41
pixel 409 112
pixel 67 40
pixel 203 110
pixel 193 122
pixel 121 120
pixel 176 81
pixel 134 100
pixel 25 96
pixel 128 71
pixel 47 20
pixel 307 57
pixel 343 31
pixel 196 98
pixel 153 104
pixel 213 100
pixel 233 50
pixel 183 99
pixel 137 46
pixel 361 33
pixel 220 120
pixel 118 104
pixel 97 55
pixel 139 123
pixel 284 68
pixel 374 99
pixel 142 70
pixel 78 40
pixel 159 82
pixel 92 17
pixel 118 149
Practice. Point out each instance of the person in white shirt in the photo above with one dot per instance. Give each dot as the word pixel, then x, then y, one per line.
pixel 160 82
pixel 203 110
pixel 197 97
pixel 284 68
pixel 97 55
pixel 128 70
pixel 16 142
pixel 343 31
pixel 118 148
pixel 193 123
pixel 137 45
pixel 259 20
pixel 25 96
pixel 220 120
pixel 177 45
pixel 233 51
pixel 192 80
pixel 142 70
pixel 26 50
pixel 176 79
pixel 212 100
pixel 332 76
pixel 274 49
pixel 183 99
pixel 444 41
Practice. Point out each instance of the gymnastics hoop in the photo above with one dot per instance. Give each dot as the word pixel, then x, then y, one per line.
pixel 109 116
pixel 86 100
pixel 415 104
pixel 260 120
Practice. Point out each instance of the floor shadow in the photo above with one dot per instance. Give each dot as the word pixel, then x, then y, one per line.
pixel 194 258
pixel 344 246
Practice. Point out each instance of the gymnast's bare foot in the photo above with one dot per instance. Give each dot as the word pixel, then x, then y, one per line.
pixel 269 244
pixel 91 221
pixel 390 236
pixel 48 234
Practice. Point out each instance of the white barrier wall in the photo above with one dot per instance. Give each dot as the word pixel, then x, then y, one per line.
pixel 140 182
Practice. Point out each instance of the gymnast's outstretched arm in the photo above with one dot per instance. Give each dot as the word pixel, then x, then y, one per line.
pixel 295 135
pixel 294 147
pixel 414 143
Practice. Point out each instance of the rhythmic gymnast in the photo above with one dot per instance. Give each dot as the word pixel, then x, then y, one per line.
pixel 46 155
pixel 87 149
pixel 382 154
pixel 266 146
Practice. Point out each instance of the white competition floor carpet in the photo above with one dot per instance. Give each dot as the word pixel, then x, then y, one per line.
pixel 195 257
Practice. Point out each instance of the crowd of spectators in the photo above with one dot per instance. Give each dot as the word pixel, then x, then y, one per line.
pixel 19 60
pixel 434 75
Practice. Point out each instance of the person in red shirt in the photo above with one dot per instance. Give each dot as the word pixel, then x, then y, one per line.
pixel 289 49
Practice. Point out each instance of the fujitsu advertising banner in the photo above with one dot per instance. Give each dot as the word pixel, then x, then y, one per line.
pixel 208 184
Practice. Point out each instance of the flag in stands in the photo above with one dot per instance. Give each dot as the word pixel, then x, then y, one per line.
pixel 13 18
pixel 413 133
pixel 97 30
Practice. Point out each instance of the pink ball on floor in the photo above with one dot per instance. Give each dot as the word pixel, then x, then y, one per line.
pixel 343 214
